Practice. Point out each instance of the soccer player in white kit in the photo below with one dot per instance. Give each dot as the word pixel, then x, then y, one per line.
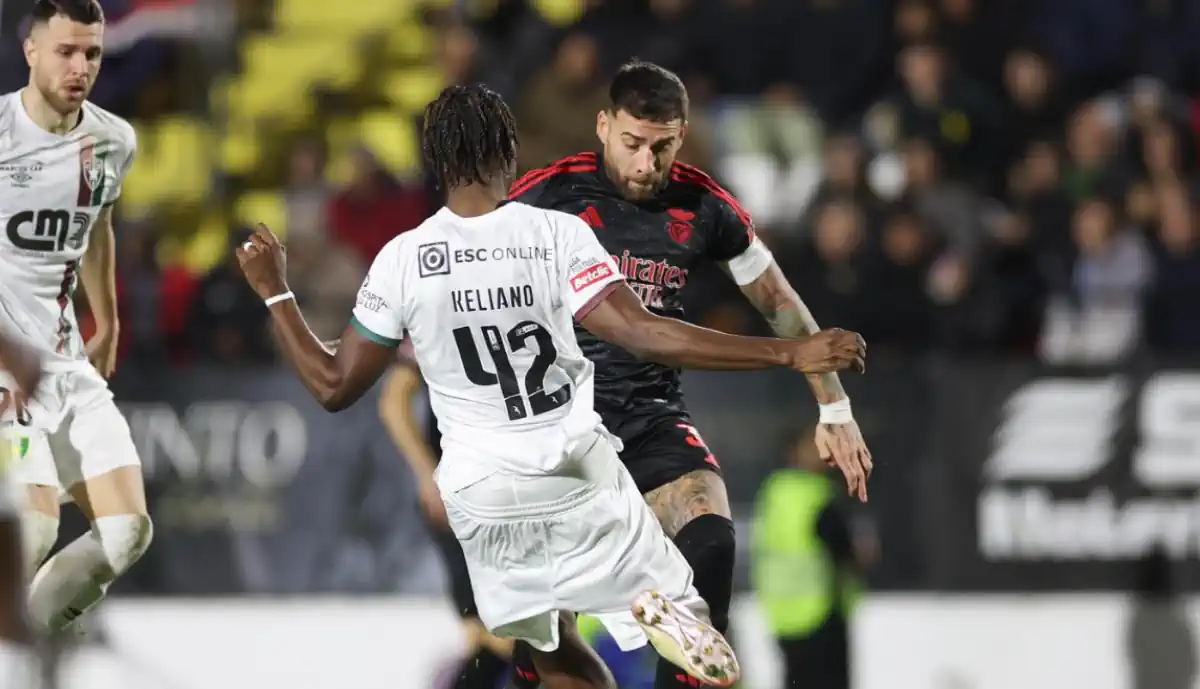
pixel 19 663
pixel 62 161
pixel 550 521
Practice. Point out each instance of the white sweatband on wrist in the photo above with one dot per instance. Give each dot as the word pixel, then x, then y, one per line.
pixel 271 301
pixel 836 412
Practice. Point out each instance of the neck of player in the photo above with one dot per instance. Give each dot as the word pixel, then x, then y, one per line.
pixel 471 200
pixel 44 115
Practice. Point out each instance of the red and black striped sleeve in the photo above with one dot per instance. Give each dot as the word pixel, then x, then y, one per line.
pixel 733 227
pixel 530 187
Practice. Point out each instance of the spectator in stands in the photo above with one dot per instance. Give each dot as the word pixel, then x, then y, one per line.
pixel 1017 269
pixel 374 207
pixel 947 206
pixel 845 176
pixel 557 113
pixel 153 301
pixel 948 109
pixel 1171 322
pixel 307 194
pixel 1035 102
pixel 514 40
pixel 226 321
pixel 1100 320
pixel 832 270
pixel 1091 168
pixel 902 312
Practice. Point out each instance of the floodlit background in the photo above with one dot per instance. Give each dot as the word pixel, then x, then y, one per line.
pixel 1000 195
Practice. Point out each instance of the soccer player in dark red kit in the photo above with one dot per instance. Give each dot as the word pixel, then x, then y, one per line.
pixel 659 219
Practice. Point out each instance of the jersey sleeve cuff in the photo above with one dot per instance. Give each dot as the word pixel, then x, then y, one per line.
pixel 372 335
pixel 589 305
pixel 749 265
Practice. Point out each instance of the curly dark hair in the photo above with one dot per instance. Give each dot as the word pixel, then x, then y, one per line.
pixel 469 136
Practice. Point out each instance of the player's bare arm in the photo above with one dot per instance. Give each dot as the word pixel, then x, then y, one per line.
pixel 98 275
pixel 620 317
pixel 396 411
pixel 838 439
pixel 336 379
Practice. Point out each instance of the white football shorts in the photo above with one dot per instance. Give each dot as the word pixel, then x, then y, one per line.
pixel 536 545
pixel 76 431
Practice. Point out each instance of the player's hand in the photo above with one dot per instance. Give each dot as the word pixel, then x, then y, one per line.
pixel 102 352
pixel 432 505
pixel 841 445
pixel 264 262
pixel 829 351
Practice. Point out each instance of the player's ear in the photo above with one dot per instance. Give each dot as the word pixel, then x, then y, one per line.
pixel 602 126
pixel 29 47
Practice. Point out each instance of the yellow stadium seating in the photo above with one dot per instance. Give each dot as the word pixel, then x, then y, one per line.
pixel 139 189
pixel 174 165
pixel 208 246
pixel 262 206
pixel 326 16
pixel 185 158
pixel 392 137
pixel 410 89
pixel 279 72
pixel 410 41
pixel 560 12
pixel 240 151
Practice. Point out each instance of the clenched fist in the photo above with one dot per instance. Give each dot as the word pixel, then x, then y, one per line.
pixel 264 262
pixel 829 351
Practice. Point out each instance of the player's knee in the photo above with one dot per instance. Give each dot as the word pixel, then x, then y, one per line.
pixel 707 543
pixel 124 538
pixel 39 532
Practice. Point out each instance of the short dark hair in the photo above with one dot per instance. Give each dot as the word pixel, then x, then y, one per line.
pixel 469 136
pixel 82 11
pixel 648 92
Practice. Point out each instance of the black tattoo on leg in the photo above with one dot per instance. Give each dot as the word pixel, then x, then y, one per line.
pixel 687 497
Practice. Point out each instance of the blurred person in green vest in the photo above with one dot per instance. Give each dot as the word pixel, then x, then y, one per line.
pixel 806 563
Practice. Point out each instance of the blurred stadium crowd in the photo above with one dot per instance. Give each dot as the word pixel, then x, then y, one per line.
pixel 972 176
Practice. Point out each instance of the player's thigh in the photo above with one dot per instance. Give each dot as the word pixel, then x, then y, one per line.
pixel 34 471
pixel 574 664
pixel 98 462
pixel 678 474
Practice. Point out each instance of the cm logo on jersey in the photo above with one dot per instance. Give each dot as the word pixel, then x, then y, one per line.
pixel 1094 469
pixel 48 230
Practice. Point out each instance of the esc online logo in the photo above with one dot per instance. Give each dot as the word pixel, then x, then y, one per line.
pixel 1059 432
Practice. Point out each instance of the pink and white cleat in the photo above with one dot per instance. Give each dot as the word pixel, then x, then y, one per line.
pixel 685 640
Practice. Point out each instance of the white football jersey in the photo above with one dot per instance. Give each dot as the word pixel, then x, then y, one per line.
pixel 489 304
pixel 52 189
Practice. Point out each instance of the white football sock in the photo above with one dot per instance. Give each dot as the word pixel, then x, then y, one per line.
pixel 20 666
pixel 39 532
pixel 78 576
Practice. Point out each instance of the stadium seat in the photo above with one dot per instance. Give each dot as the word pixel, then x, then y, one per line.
pixel 240 151
pixel 410 89
pixel 324 17
pixel 560 12
pixel 262 206
pixel 392 137
pixel 185 158
pixel 142 187
pixel 410 42
pixel 208 246
pixel 279 72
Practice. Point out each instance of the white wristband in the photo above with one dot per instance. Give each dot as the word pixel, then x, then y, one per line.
pixel 836 412
pixel 271 301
